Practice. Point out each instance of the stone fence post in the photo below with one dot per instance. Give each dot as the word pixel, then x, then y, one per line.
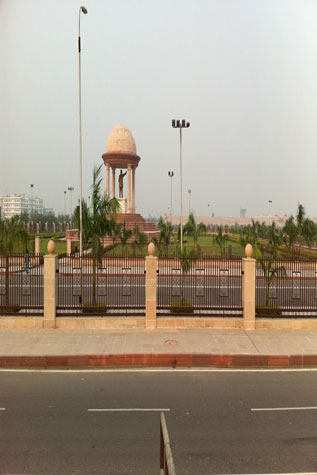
pixel 69 246
pixel 50 286
pixel 151 266
pixel 248 289
pixel 37 246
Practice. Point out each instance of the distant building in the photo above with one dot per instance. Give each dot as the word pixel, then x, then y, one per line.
pixel 14 205
pixel 243 212
pixel 232 220
pixel 48 211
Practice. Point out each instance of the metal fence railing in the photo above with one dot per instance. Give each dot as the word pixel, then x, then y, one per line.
pixel 21 284
pixel 189 286
pixel 204 286
pixel 166 457
pixel 286 287
pixel 113 285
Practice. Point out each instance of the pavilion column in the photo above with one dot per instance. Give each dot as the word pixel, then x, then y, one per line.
pixel 133 190
pixel 108 181
pixel 113 182
pixel 129 188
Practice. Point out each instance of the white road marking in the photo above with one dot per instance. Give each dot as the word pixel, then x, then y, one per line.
pixel 291 473
pixel 131 409
pixel 3 408
pixel 160 370
pixel 305 408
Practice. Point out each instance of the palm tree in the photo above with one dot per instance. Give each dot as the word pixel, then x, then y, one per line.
pixel 201 228
pixel 166 234
pixel 271 272
pixel 97 222
pixel 309 232
pixel 255 225
pixel 86 222
pixel 140 239
pixel 192 229
pixel 190 226
pixel 12 233
pixel 187 259
pixel 274 239
pixel 125 235
pixel 115 229
pixel 300 214
pixel 300 218
pixel 289 232
pixel 221 238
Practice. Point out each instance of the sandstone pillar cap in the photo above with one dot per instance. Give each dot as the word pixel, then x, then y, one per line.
pixel 248 251
pixel 51 247
pixel 151 249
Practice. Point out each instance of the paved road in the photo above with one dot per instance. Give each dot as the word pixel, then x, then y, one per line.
pixel 46 427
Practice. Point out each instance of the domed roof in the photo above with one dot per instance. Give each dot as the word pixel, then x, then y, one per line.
pixel 121 140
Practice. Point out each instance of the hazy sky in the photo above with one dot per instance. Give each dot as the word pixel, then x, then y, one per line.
pixel 243 72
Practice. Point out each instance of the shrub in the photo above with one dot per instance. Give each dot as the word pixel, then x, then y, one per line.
pixel 181 307
pixel 268 310
pixel 98 307
pixel 11 308
pixel 110 247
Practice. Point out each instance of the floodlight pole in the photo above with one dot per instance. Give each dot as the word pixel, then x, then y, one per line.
pixel 181 124
pixel 71 189
pixel 32 185
pixel 85 11
pixel 171 174
pixel 189 206
pixel 65 203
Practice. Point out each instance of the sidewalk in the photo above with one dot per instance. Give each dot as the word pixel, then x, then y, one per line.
pixel 159 348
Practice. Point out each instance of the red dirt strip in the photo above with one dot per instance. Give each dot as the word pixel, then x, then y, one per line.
pixel 147 360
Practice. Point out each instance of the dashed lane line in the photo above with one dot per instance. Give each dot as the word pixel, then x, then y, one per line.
pixel 304 408
pixel 129 409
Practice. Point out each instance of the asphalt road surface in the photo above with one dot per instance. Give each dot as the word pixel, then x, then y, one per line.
pixel 216 422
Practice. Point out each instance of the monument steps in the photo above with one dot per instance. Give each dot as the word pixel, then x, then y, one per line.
pixel 132 220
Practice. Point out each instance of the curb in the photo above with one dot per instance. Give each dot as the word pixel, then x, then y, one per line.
pixel 159 360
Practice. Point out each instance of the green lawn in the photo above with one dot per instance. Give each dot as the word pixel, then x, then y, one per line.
pixel 60 246
pixel 208 241
pixel 44 239
pixel 208 248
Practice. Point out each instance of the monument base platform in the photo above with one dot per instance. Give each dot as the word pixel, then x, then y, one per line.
pixel 132 220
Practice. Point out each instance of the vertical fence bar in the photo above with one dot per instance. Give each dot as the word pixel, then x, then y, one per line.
pixel 21 284
pixel 208 285
pixel 110 285
pixel 286 287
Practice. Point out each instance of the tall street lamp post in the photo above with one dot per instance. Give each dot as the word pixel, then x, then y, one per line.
pixel 181 124
pixel 171 174
pixel 32 185
pixel 85 11
pixel 65 203
pixel 71 189
pixel 270 209
pixel 189 204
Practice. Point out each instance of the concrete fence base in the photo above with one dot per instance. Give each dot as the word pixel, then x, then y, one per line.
pixel 106 323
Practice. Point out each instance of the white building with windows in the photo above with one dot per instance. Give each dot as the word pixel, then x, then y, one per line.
pixel 12 205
